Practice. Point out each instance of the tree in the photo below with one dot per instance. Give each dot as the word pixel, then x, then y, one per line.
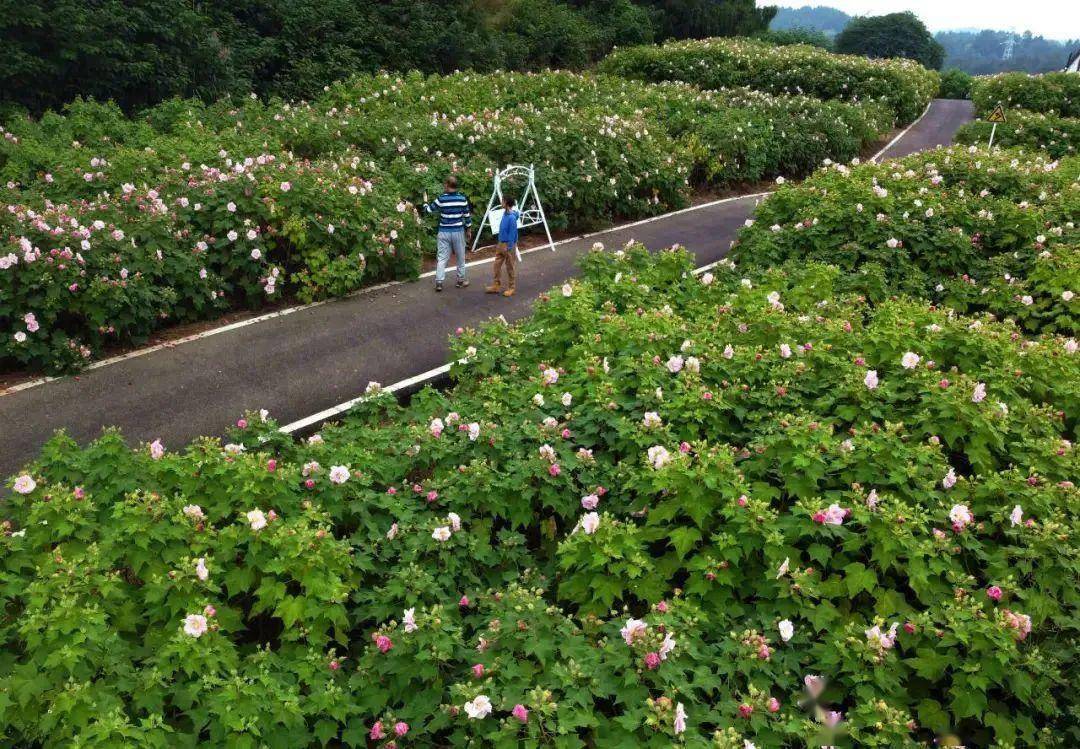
pixel 139 52
pixel 134 51
pixel 618 22
pixel 892 35
pixel 695 19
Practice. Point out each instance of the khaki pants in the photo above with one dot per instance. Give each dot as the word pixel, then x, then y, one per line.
pixel 505 257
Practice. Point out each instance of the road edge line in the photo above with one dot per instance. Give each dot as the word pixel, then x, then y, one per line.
pixel 901 134
pixel 328 413
pixel 420 379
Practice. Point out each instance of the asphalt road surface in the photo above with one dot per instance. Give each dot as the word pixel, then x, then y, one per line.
pixel 302 363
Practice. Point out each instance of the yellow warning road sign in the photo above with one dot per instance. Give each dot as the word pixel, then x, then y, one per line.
pixel 998 115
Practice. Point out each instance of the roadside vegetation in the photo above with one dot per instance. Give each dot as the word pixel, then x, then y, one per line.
pixel 822 494
pixel 955 84
pixel 1049 93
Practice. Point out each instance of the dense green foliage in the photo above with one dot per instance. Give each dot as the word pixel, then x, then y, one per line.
pixel 114 226
pixel 891 35
pixel 139 52
pixel 955 84
pixel 946 227
pixel 669 508
pixel 1051 93
pixel 136 51
pixel 903 85
pixel 984 52
pixel 694 19
pixel 1058 136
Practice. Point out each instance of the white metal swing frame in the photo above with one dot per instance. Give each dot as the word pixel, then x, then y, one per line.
pixel 529 214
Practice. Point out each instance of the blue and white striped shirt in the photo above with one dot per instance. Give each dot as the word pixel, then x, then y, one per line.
pixel 453 209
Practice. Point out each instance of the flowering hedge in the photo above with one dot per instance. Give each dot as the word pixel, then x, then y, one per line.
pixel 1048 93
pixel 1057 136
pixel 904 86
pixel 84 274
pixel 977 232
pixel 668 508
pixel 116 226
pixel 586 131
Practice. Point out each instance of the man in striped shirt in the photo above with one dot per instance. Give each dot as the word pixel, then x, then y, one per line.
pixel 455 221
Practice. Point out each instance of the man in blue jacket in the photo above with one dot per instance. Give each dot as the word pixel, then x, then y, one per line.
pixel 455 221
pixel 506 252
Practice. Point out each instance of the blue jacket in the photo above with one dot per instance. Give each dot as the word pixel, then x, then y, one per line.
pixel 508 229
pixel 454 211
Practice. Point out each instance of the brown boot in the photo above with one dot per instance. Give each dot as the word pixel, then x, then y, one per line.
pixel 508 292
pixel 493 289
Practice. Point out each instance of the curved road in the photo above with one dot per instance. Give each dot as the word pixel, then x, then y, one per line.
pixel 302 363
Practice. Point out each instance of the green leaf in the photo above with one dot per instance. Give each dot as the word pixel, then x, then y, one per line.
pixel 290 610
pixel 858 578
pixel 684 539
pixel 820 553
pixel 933 716
pixel 1004 730
pixel 325 730
pixel 967 702
pixel 928 664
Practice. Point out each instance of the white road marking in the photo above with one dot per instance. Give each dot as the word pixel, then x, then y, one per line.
pixel 902 133
pixel 325 414
pixel 422 378
pixel 709 266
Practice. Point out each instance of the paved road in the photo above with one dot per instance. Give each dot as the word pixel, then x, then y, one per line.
pixel 937 128
pixel 302 363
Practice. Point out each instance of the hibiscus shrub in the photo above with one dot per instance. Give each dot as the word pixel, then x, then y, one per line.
pixel 608 147
pixel 1058 136
pixel 956 84
pixel 79 276
pixel 1048 93
pixel 668 508
pixel 904 86
pixel 974 231
pixel 114 227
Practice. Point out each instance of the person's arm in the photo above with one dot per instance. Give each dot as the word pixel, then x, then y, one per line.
pixel 468 216
pixel 434 206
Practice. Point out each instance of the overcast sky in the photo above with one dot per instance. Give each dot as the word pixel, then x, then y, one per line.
pixel 1056 19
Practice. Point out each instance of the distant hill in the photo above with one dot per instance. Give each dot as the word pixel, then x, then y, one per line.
pixel 983 52
pixel 829 21
pixel 976 51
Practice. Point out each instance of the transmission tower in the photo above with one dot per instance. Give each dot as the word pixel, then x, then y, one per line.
pixel 1009 45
